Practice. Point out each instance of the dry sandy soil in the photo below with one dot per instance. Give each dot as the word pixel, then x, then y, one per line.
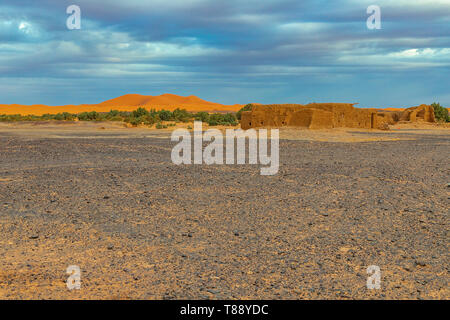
pixel 109 200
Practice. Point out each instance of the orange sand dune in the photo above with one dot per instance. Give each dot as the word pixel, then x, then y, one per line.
pixel 399 109
pixel 393 109
pixel 127 102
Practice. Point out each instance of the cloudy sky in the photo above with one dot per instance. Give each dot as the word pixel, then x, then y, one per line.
pixel 227 51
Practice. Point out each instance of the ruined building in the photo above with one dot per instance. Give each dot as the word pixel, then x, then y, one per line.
pixel 329 115
pixel 421 113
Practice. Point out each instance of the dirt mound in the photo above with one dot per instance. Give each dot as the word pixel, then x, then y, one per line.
pixel 128 102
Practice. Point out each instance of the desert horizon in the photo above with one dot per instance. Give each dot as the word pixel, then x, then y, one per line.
pixel 130 102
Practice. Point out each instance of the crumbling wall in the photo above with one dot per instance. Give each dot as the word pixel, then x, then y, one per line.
pixel 268 116
pixel 329 115
pixel 421 113
pixel 313 116
pixel 301 118
pixel 389 117
pixel 312 119
pixel 246 120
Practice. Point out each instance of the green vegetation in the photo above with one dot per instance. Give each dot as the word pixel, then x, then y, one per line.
pixel 228 119
pixel 159 125
pixel 137 117
pixel 247 107
pixel 440 112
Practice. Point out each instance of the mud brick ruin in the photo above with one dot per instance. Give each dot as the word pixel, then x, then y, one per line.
pixel 330 115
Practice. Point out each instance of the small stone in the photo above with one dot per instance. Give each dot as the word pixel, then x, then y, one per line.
pixel 34 236
pixel 212 291
pixel 420 263
pixel 110 247
pixel 407 268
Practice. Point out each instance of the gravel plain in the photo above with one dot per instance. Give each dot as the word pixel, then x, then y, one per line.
pixel 140 227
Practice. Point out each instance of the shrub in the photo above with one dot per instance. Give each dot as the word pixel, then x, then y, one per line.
pixel 213 122
pixel 60 116
pixel 46 116
pixel 82 116
pixel 440 112
pixel 222 119
pixel 136 121
pixel 148 119
pixel 69 116
pixel 229 118
pixel 10 117
pixel 202 116
pixel 112 114
pixel 247 107
pixel 88 116
pixel 165 115
pixel 139 112
pixel 181 115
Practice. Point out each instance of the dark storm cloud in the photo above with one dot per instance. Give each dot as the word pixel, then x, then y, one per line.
pixel 259 50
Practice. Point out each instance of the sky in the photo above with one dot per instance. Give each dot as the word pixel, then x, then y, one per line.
pixel 226 51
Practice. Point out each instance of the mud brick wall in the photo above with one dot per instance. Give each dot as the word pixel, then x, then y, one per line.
pixel 312 116
pixel 329 115
pixel 420 113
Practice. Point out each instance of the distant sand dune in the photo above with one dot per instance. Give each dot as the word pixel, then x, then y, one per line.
pixel 400 109
pixel 127 102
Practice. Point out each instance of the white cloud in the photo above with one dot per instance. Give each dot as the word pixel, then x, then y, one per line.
pixel 427 53
pixel 406 53
pixel 303 26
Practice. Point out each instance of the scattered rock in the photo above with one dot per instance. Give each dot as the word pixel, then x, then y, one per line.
pixel 420 263
pixel 212 291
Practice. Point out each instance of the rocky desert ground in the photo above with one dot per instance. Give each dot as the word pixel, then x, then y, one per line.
pixel 109 200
